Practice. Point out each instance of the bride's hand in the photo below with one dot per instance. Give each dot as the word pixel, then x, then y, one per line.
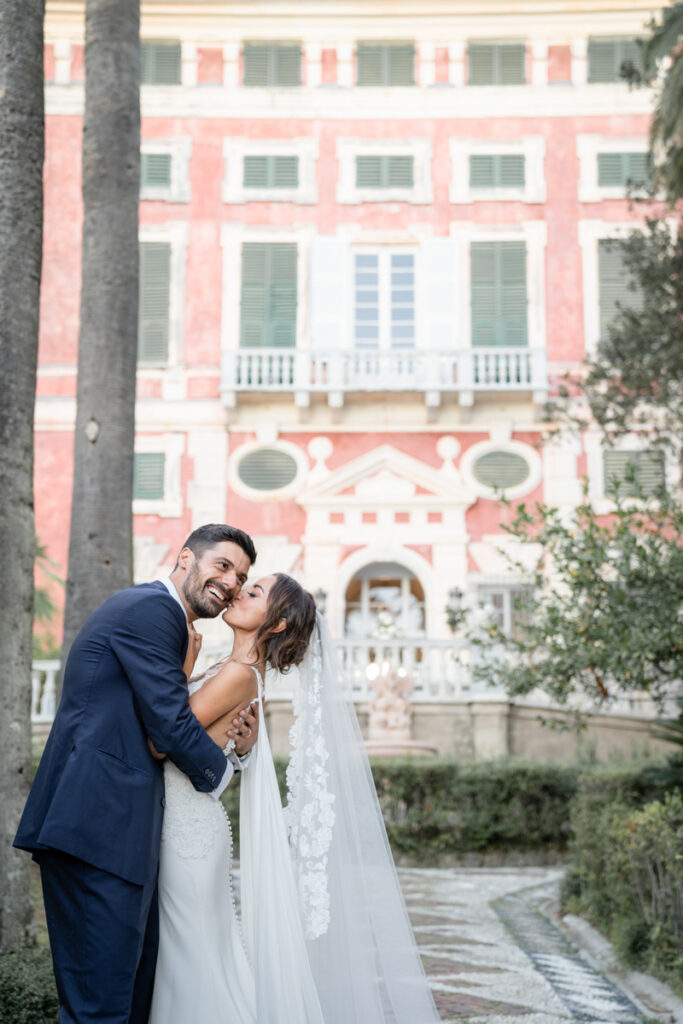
pixel 245 729
pixel 194 645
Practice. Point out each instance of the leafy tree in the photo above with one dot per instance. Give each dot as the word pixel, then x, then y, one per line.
pixel 21 226
pixel 100 545
pixel 634 383
pixel 604 611
pixel 44 608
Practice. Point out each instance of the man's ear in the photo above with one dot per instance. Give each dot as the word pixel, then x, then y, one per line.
pixel 280 626
pixel 185 559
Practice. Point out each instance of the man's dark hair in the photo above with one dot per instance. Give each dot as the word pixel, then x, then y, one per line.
pixel 205 537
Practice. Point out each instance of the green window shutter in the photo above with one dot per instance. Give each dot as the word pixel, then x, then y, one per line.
pixel 616 285
pixel 607 56
pixel 148 475
pixel 384 172
pixel 255 172
pixel 384 64
pixel 498 170
pixel 498 293
pixel 617 170
pixel 269 295
pixel 496 63
pixel 160 63
pixel 634 471
pixel 267 469
pixel 272 64
pixel 285 172
pixel 501 469
pixel 155 170
pixel 155 287
pixel 271 172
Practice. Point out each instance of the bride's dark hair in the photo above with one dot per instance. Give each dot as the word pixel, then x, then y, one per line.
pixel 289 601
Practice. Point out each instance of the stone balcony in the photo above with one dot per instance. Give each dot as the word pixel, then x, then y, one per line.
pixel 336 375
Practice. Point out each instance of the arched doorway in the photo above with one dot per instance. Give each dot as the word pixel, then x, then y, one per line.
pixel 384 601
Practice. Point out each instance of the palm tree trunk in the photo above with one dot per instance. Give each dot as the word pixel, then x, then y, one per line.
pixel 100 545
pixel 21 227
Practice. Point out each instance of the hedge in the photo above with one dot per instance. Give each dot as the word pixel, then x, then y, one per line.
pixel 27 988
pixel 627 867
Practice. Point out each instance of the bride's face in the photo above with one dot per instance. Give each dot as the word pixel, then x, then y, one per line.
pixel 248 609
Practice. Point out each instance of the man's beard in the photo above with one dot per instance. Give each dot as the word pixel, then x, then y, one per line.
pixel 201 603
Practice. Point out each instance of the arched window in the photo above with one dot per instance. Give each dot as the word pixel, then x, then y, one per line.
pixel 384 601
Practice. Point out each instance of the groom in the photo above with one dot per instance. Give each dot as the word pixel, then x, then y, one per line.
pixel 93 817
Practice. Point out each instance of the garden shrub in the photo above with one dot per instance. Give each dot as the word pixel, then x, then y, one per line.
pixel 28 994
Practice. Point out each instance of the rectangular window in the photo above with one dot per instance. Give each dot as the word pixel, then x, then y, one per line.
pixel 386 64
pixel 269 295
pixel 155 170
pixel 148 476
pixel 506 606
pixel 496 63
pixel 617 287
pixel 153 309
pixel 619 170
pixel 498 293
pixel 271 172
pixel 635 471
pixel 499 170
pixel 606 58
pixel 384 172
pixel 384 299
pixel 272 64
pixel 160 63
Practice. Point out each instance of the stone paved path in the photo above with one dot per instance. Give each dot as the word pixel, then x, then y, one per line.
pixel 492 957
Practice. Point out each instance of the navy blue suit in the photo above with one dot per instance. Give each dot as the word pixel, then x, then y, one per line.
pixel 93 817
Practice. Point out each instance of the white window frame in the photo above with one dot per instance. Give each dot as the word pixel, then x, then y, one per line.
pixel 180 151
pixel 385 252
pixel 506 587
pixel 172 447
pixel 595 450
pixel 531 147
pixel 350 148
pixel 529 454
pixel 587 149
pixel 591 233
pixel 234 152
pixel 176 233
pixel 535 234
pixel 279 493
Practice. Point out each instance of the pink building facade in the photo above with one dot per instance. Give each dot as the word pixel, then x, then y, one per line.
pixel 370 246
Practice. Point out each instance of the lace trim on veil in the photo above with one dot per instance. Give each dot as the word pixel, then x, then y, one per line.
pixel 309 814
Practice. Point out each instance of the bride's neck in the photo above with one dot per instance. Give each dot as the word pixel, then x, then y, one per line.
pixel 243 648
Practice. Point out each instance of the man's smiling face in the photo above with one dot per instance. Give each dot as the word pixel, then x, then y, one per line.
pixel 213 579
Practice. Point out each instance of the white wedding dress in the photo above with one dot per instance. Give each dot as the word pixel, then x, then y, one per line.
pixel 211 968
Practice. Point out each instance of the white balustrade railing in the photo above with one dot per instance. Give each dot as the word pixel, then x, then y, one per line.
pixel 44 676
pixel 308 371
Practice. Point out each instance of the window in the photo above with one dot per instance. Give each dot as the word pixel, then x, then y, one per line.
pixel 385 172
pixel 267 469
pixel 617 287
pixel 496 63
pixel 634 471
pixel 498 293
pixel 505 605
pixel 619 170
pixel 160 63
pixel 270 172
pixel 269 295
pixel 271 64
pixel 384 600
pixel 386 64
pixel 606 57
pixel 155 170
pixel 148 476
pixel 153 310
pixel 497 170
pixel 501 469
pixel 384 299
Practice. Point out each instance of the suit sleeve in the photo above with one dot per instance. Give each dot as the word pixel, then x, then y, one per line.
pixel 150 645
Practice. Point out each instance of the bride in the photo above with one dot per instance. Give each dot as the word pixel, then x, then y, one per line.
pixel 324 936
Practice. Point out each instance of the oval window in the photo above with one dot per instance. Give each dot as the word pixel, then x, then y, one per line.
pixel 501 469
pixel 267 469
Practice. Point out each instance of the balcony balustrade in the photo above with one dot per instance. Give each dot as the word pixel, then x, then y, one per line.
pixel 336 374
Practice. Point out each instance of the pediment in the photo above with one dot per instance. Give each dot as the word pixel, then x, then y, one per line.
pixel 387 476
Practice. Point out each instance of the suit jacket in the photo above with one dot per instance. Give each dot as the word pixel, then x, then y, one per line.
pixel 98 793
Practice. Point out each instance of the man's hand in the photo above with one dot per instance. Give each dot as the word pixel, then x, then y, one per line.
pixel 245 729
pixel 194 646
